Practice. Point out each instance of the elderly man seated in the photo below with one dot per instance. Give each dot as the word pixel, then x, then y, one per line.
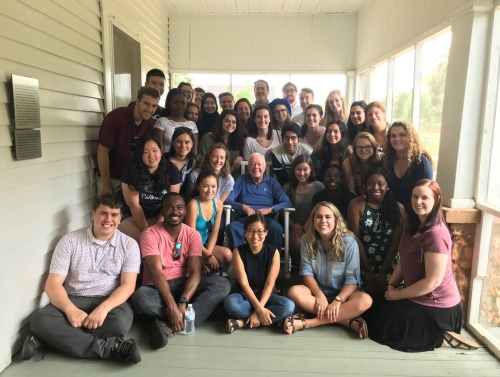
pixel 253 193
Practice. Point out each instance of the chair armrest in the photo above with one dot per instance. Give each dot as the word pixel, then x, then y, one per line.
pixel 227 211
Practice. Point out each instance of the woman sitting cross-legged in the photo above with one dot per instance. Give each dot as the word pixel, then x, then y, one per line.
pixel 256 265
pixel 144 184
pixel 423 304
pixel 331 275
pixel 204 213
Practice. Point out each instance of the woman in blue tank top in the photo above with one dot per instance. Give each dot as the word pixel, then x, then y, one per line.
pixel 204 213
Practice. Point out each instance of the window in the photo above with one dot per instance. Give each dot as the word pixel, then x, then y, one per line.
pixel 392 83
pixel 484 308
pixel 379 83
pixel 402 92
pixel 433 77
pixel 241 85
pixel 126 67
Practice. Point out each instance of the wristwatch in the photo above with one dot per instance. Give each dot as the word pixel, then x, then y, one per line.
pixel 183 300
pixel 339 299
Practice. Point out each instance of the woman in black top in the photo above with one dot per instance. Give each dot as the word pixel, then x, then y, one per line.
pixel 256 266
pixel 144 184
pixel 208 114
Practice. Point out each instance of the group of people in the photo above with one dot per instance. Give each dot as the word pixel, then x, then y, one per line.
pixel 367 235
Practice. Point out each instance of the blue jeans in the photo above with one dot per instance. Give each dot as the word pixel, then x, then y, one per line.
pixel 209 294
pixel 238 306
pixel 236 237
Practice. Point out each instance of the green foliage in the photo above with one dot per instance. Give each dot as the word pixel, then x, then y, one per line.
pixel 402 105
pixel 181 77
pixel 245 93
pixel 431 102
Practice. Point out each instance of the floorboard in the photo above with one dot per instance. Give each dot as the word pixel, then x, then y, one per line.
pixel 325 351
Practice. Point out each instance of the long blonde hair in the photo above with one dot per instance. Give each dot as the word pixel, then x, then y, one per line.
pixel 337 245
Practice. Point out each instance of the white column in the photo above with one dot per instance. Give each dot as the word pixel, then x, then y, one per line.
pixel 463 106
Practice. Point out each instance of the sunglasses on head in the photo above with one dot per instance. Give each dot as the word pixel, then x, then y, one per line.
pixel 177 250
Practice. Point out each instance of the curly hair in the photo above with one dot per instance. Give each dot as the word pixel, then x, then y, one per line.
pixel 205 165
pixel 337 245
pixel 139 173
pixel 415 149
pixel 235 139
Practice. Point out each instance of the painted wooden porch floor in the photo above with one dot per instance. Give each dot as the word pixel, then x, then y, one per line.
pixel 325 351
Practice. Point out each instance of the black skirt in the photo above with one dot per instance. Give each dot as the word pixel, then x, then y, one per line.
pixel 406 326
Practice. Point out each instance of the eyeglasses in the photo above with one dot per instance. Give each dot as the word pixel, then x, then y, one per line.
pixel 277 111
pixel 291 90
pixel 259 232
pixel 365 148
pixel 177 249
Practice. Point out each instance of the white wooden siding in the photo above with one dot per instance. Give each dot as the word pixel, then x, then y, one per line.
pixel 263 43
pixel 59 42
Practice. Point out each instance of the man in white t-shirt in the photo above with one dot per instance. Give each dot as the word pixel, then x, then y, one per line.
pixel 92 274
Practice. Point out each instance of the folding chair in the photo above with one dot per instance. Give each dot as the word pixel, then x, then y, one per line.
pixel 286 236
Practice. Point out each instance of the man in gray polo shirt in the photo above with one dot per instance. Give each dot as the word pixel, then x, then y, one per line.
pixel 92 274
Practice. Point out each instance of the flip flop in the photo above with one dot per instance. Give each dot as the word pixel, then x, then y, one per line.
pixel 362 327
pixel 455 340
pixel 232 325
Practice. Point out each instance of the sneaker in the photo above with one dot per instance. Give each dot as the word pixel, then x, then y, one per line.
pixel 30 347
pixel 159 332
pixel 126 350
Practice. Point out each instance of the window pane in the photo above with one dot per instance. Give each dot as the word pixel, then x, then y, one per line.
pixel 489 314
pixel 321 84
pixel 402 100
pixel 434 64
pixel 243 85
pixel 379 83
pixel 364 87
pixel 211 82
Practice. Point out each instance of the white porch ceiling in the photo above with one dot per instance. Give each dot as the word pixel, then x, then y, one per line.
pixel 265 7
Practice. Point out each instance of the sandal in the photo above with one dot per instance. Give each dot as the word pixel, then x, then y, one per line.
pixel 455 340
pixel 362 327
pixel 291 320
pixel 232 325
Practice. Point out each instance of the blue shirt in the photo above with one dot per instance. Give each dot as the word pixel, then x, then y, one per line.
pixel 331 275
pixel 267 193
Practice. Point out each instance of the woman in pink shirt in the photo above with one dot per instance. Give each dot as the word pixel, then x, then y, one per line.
pixel 423 303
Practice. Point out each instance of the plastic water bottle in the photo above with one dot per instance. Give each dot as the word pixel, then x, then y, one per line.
pixel 189 317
